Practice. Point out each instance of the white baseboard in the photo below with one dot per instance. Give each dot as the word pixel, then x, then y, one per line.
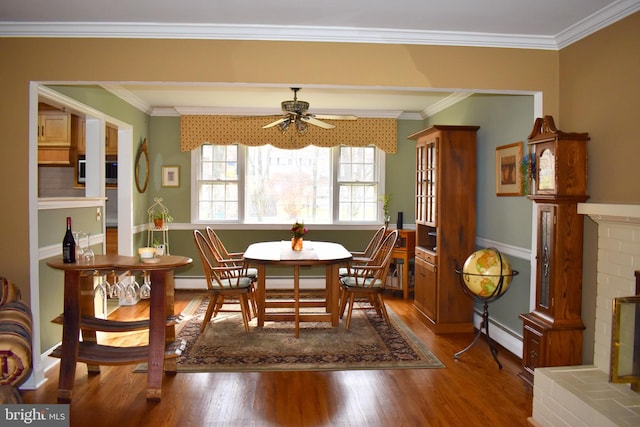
pixel 500 334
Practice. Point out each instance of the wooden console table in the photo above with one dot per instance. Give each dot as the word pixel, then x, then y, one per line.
pixel 78 316
pixel 405 250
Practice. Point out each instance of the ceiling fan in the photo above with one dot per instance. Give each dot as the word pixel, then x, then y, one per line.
pixel 296 114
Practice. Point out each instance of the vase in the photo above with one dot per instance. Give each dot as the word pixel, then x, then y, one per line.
pixel 296 243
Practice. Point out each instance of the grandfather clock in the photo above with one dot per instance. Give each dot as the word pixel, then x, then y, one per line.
pixel 552 332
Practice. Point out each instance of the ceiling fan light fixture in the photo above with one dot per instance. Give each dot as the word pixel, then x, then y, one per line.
pixel 284 126
pixel 301 127
pixel 294 106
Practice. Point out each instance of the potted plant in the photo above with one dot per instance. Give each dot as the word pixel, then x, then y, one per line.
pixel 386 198
pixel 159 219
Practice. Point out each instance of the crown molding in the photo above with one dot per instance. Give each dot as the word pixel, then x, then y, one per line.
pixel 598 20
pixel 129 98
pixel 233 111
pixel 445 103
pixel 272 33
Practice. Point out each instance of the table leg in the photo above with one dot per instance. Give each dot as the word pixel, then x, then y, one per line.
pixel 296 298
pixel 87 308
pixel 261 293
pixel 171 364
pixel 70 335
pixel 405 278
pixel 157 334
pixel 332 272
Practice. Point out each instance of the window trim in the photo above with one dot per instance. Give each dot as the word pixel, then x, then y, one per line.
pixel 240 224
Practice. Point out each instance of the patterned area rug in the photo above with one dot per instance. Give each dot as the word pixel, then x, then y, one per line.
pixel 368 344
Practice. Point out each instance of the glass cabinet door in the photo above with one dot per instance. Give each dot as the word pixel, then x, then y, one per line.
pixel 546 232
pixel 426 177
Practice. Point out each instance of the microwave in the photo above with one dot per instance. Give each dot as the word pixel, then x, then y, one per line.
pixel 110 168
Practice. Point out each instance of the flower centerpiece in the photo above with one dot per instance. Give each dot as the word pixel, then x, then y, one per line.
pixel 299 230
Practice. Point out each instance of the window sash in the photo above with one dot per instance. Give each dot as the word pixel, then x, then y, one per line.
pixel 353 196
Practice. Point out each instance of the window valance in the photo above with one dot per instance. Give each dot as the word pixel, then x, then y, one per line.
pixel 196 130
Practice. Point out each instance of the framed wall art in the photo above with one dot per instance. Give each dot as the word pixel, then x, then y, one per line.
pixel 508 173
pixel 171 176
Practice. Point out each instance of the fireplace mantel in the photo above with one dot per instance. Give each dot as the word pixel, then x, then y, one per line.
pixel 604 212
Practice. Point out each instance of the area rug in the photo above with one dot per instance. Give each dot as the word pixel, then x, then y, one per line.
pixel 224 346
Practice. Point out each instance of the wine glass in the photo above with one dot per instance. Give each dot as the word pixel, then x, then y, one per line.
pixel 78 247
pixel 100 290
pixel 145 289
pixel 107 285
pixel 87 257
pixel 117 290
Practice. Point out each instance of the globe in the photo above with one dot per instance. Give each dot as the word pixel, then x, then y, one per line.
pixel 482 271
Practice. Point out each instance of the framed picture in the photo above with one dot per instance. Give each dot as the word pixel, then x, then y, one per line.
pixel 508 175
pixel 171 176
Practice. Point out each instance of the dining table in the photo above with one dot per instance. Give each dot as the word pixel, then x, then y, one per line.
pixel 314 253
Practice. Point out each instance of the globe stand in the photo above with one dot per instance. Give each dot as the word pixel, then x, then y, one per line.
pixel 483 324
pixel 485 300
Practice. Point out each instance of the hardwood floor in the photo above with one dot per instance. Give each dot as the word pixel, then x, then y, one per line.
pixel 471 391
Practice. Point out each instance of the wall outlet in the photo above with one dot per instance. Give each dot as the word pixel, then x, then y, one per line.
pixel 98 214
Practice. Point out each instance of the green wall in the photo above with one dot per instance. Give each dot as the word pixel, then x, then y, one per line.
pixel 503 120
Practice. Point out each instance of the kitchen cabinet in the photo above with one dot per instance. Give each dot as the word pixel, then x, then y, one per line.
pixel 111 140
pixel 54 137
pixel 445 203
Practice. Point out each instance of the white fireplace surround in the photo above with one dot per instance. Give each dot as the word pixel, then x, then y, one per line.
pixel 582 395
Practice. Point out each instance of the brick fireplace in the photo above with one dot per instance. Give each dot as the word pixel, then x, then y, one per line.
pixel 583 395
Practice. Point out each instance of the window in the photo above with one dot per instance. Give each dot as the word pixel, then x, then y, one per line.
pixel 265 184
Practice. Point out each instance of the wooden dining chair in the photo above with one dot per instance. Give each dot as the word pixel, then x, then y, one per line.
pixel 367 253
pixel 363 256
pixel 367 279
pixel 235 258
pixel 223 281
pixel 371 246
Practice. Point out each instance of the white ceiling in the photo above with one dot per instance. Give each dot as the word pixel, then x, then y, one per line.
pixel 538 24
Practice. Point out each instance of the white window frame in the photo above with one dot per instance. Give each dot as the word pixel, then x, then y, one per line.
pixel 242 156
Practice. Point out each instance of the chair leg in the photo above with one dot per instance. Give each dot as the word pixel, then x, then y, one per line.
pixel 218 305
pixel 373 301
pixel 244 308
pixel 254 299
pixel 342 301
pixel 207 317
pixel 352 300
pixel 383 309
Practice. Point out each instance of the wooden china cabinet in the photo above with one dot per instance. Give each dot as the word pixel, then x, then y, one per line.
pixel 552 332
pixel 445 224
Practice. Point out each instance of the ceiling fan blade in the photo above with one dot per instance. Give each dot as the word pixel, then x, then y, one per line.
pixel 334 117
pixel 316 122
pixel 276 123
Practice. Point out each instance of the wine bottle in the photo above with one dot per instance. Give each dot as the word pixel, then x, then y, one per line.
pixel 68 245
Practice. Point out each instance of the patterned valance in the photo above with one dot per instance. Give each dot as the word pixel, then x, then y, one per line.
pixel 196 130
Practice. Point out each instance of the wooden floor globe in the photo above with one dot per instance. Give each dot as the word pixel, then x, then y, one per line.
pixel 487 273
pixel 485 276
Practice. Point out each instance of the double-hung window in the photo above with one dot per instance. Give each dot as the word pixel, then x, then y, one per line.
pixel 268 185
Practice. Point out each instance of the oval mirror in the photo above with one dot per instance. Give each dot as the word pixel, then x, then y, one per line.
pixel 142 167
